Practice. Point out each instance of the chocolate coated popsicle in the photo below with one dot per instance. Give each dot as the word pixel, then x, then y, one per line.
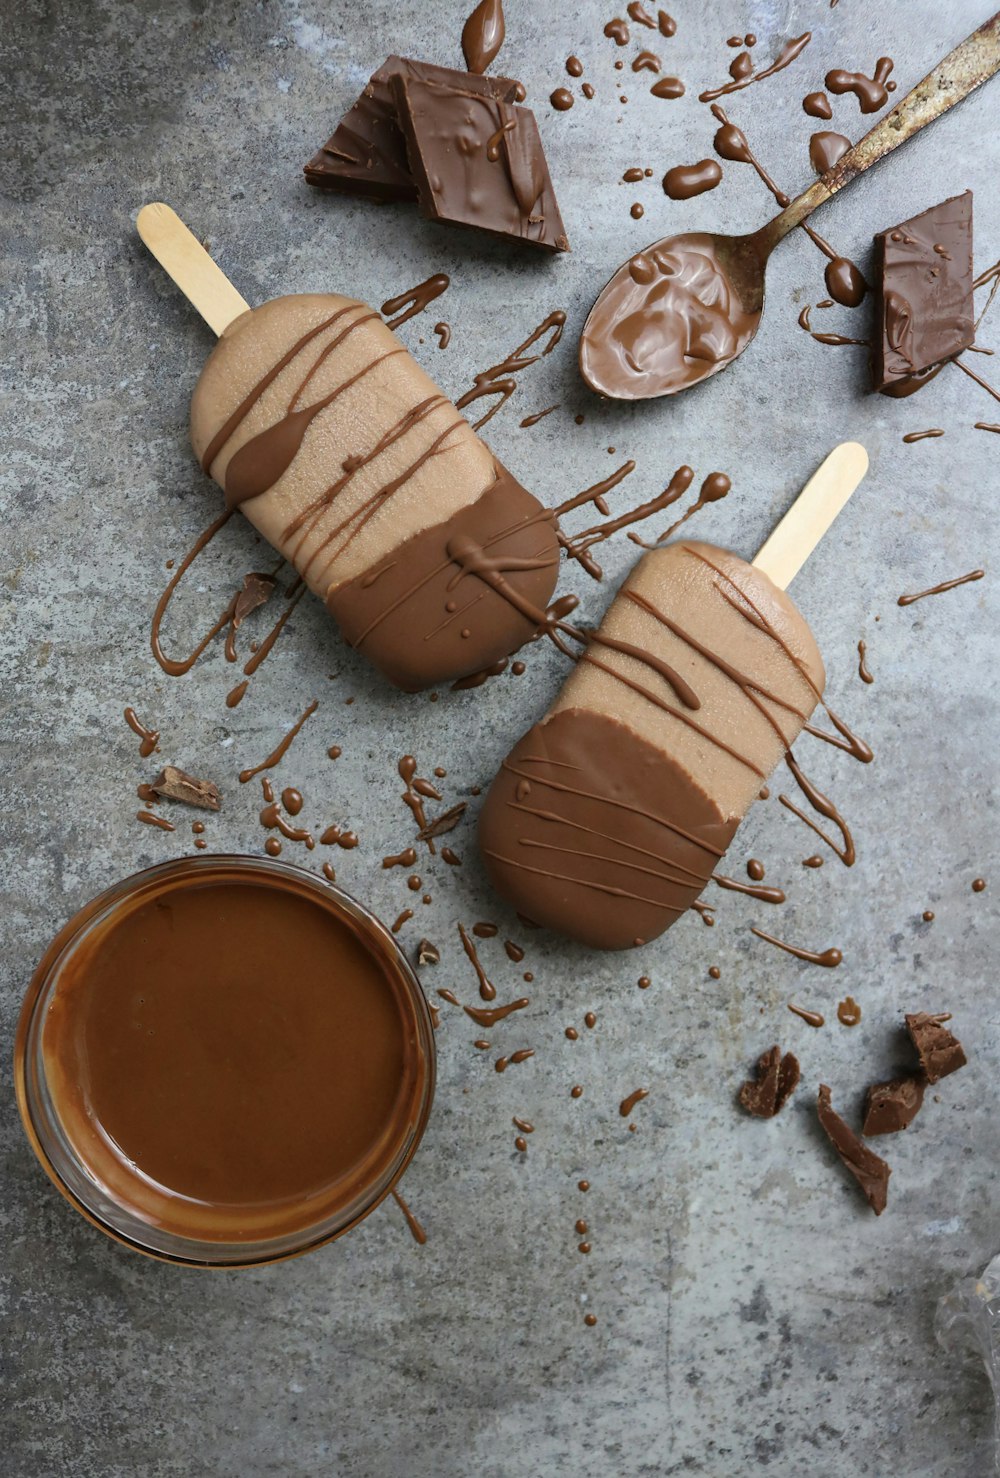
pixel 323 430
pixel 609 817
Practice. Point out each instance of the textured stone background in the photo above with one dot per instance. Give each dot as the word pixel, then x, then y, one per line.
pixel 752 1313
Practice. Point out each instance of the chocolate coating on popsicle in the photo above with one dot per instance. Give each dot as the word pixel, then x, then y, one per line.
pixel 610 816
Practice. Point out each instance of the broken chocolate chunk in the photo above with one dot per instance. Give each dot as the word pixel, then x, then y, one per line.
pixel 176 786
pixel 257 591
pixel 940 1053
pixel 777 1079
pixel 892 1106
pixel 478 161
pixel 924 314
pixel 428 953
pixel 869 1170
pixel 367 152
pixel 442 824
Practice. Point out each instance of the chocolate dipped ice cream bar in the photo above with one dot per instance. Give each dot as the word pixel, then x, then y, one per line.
pixel 323 430
pixel 609 817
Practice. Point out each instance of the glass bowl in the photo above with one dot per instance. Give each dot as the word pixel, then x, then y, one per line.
pixel 90 1192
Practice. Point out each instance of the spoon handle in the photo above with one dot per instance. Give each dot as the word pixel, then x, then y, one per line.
pixel 975 60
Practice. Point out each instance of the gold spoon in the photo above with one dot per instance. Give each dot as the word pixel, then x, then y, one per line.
pixel 687 306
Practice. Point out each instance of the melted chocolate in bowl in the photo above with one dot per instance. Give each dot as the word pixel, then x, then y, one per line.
pixel 224 1061
pixel 668 319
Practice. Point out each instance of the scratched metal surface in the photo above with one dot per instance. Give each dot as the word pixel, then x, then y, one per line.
pixel 751 1312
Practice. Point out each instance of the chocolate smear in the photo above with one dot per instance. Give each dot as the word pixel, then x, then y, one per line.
pixel 483 35
pixel 939 1051
pixel 872 92
pixel 892 1106
pixel 869 1170
pixel 776 1081
pixel 175 785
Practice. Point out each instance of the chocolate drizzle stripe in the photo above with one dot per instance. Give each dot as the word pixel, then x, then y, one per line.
pixel 604 836
pixel 759 619
pixel 825 807
pixel 348 384
pixel 456 615
pixel 683 689
pixel 263 651
pixel 973 575
pixel 325 353
pixel 618 862
pixel 788 53
pixel 583 882
pixel 590 795
pixel 250 399
pixel 368 509
pixel 311 515
pixel 171 666
pixel 677 713
pixel 749 686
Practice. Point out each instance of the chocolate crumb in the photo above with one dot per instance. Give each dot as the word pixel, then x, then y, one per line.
pixel 777 1080
pixel 940 1053
pixel 257 591
pixel 892 1106
pixel 428 953
pixel 869 1170
pixel 175 785
pixel 442 824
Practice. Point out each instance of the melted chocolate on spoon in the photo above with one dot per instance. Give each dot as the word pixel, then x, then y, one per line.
pixel 669 318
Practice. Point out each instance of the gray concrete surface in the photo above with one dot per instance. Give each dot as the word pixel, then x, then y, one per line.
pixel 752 1313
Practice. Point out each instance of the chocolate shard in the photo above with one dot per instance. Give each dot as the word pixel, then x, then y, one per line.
pixel 428 953
pixel 177 786
pixel 442 824
pixel 939 1051
pixel 257 591
pixel 777 1079
pixel 892 1106
pixel 366 154
pixel 477 161
pixel 869 1170
pixel 924 313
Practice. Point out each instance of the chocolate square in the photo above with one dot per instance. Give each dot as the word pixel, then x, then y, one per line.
pixel 924 312
pixel 367 153
pixel 478 161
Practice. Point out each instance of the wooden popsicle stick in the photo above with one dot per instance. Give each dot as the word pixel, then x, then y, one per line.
pixel 182 257
pixel 814 510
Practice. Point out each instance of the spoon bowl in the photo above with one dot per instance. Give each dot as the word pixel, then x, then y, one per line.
pixel 686 307
pixel 673 315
